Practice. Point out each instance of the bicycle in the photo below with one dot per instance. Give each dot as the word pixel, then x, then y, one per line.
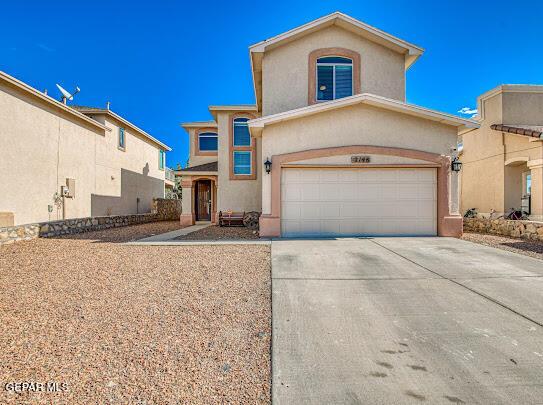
pixel 471 213
pixel 517 215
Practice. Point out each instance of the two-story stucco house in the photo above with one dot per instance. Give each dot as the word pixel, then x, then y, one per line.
pixel 59 161
pixel 503 159
pixel 331 147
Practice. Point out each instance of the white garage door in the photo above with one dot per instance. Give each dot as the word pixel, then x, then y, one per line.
pixel 329 202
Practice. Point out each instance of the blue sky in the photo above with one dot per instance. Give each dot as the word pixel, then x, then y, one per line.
pixel 163 62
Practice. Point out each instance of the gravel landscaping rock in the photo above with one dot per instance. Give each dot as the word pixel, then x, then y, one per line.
pixel 530 248
pixel 135 324
pixel 215 232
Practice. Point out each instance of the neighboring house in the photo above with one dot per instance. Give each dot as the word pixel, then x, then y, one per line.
pixel 103 164
pixel 347 155
pixel 503 159
pixel 169 182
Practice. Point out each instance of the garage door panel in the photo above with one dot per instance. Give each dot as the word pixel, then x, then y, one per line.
pixel 330 210
pixel 291 192
pixel 427 191
pixel 329 176
pixel 408 209
pixel 312 210
pixel 388 176
pixel 348 176
pixel 329 192
pixel 427 176
pixel 426 209
pixel 333 202
pixel 294 210
pixel 369 176
pixel 388 192
pixel 309 191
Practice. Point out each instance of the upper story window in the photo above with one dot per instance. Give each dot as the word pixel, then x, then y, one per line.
pixel 242 162
pixel 207 142
pixel 242 137
pixel 122 140
pixel 161 159
pixel 242 148
pixel 334 78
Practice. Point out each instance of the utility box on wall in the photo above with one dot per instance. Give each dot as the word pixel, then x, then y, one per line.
pixel 7 219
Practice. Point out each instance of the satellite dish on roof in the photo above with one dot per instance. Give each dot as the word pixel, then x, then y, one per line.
pixel 66 95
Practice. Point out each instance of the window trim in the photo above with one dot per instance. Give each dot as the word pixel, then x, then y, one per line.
pixel 312 70
pixel 119 146
pixel 333 76
pixel 231 149
pixel 196 143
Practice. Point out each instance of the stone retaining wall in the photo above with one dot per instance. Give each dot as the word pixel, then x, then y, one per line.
pixel 517 229
pixel 162 210
pixel 71 226
pixel 167 209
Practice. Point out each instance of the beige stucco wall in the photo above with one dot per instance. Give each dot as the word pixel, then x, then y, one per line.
pixel 42 146
pixel 195 160
pixel 126 174
pixel 236 195
pixel 285 69
pixel 523 108
pixel 355 125
pixel 487 183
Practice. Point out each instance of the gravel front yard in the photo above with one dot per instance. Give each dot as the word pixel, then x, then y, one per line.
pixel 215 232
pixel 524 247
pixel 135 324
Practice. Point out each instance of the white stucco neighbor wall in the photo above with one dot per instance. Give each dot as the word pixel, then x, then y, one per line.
pixel 42 145
pixel 285 69
pixel 355 125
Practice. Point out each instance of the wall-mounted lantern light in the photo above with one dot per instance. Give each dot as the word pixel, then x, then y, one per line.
pixel 456 165
pixel 267 165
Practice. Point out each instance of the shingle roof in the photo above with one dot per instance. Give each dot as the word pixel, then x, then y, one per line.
pixel 206 167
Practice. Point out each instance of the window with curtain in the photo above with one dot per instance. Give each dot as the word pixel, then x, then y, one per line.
pixel 242 162
pixel 207 142
pixel 334 78
pixel 242 137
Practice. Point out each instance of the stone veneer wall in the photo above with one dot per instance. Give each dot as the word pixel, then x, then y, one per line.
pixel 167 209
pixel 71 226
pixel 517 229
pixel 163 210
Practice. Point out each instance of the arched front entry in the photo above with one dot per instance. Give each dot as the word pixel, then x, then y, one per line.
pixel 448 224
pixel 201 203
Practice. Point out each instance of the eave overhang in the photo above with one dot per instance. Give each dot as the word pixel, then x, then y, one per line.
pixel 257 125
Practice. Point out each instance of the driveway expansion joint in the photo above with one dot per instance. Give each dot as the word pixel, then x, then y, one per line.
pixel 452 280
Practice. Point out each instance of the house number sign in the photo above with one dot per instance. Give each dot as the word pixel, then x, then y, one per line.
pixel 360 159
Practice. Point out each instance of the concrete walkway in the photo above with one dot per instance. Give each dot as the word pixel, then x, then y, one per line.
pixel 405 320
pixel 174 234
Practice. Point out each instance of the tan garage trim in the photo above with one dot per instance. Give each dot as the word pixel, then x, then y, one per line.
pixel 448 224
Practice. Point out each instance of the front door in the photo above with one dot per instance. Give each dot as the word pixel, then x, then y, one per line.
pixel 203 200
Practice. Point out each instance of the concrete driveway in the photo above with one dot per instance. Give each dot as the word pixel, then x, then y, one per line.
pixel 405 320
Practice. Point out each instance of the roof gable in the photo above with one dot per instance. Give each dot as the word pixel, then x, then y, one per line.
pixel 410 51
pixel 344 21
